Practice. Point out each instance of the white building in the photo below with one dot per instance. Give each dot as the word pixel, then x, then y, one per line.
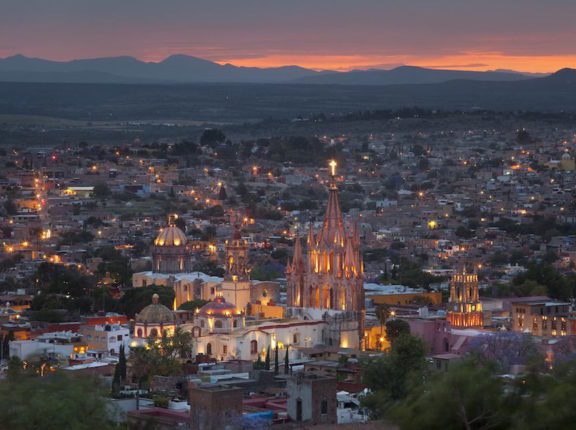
pixel 106 337
pixel 59 344
pixel 221 331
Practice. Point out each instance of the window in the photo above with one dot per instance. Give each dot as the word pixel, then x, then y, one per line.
pixel 224 349
pixel 324 407
pixel 209 349
pixel 253 347
pixel 235 323
pixel 218 324
pixel 202 323
pixel 296 338
pixel 154 332
pixel 139 332
pixel 119 338
pixel 298 410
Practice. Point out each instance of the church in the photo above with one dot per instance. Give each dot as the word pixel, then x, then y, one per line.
pixel 243 318
pixel 328 281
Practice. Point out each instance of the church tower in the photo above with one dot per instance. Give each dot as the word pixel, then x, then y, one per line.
pixel 331 275
pixel 236 285
pixel 464 307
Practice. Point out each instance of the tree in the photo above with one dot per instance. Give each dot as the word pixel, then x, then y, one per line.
pixel 467 397
pixel 116 380
pixel 192 305
pixel 136 299
pixel 549 402
pixel 101 190
pixel 390 377
pixel 222 195
pixel 383 313
pixel 212 137
pixel 5 345
pixel 267 359
pixel 259 364
pixel 507 349
pixel 276 363
pixel 56 401
pixel 396 328
pixel 122 363
pixel 286 362
pixel 10 207
pixel 180 223
pixel 557 286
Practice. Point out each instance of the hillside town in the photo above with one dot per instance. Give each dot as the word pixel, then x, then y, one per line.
pixel 235 283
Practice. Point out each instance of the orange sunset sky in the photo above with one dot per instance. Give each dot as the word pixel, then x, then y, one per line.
pixel 523 35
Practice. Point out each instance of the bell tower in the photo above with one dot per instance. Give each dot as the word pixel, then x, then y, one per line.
pixel 236 285
pixel 464 306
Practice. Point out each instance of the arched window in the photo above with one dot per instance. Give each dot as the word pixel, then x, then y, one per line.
pixel 209 349
pixel 139 332
pixel 253 347
pixel 202 323
pixel 154 332
pixel 218 324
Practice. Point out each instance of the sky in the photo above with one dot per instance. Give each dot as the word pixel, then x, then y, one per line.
pixel 524 35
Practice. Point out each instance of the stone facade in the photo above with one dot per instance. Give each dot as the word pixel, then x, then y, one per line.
pixel 312 399
pixel 214 407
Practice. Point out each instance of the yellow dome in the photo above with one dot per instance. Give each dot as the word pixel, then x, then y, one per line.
pixel 156 313
pixel 171 236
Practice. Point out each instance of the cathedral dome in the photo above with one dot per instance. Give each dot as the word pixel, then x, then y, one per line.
pixel 218 307
pixel 156 313
pixel 171 236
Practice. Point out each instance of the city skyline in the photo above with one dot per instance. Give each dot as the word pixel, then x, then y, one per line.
pixel 527 36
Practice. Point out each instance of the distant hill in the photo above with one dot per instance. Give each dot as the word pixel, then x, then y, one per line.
pixel 174 69
pixel 187 69
pixel 407 75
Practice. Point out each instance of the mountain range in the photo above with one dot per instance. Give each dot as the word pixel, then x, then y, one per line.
pixel 187 69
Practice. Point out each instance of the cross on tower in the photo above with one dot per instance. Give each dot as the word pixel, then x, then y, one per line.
pixel 333 165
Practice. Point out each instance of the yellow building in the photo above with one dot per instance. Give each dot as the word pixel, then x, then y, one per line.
pixel 399 299
pixel 567 163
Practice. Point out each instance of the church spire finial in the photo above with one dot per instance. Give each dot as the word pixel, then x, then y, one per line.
pixel 333 165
